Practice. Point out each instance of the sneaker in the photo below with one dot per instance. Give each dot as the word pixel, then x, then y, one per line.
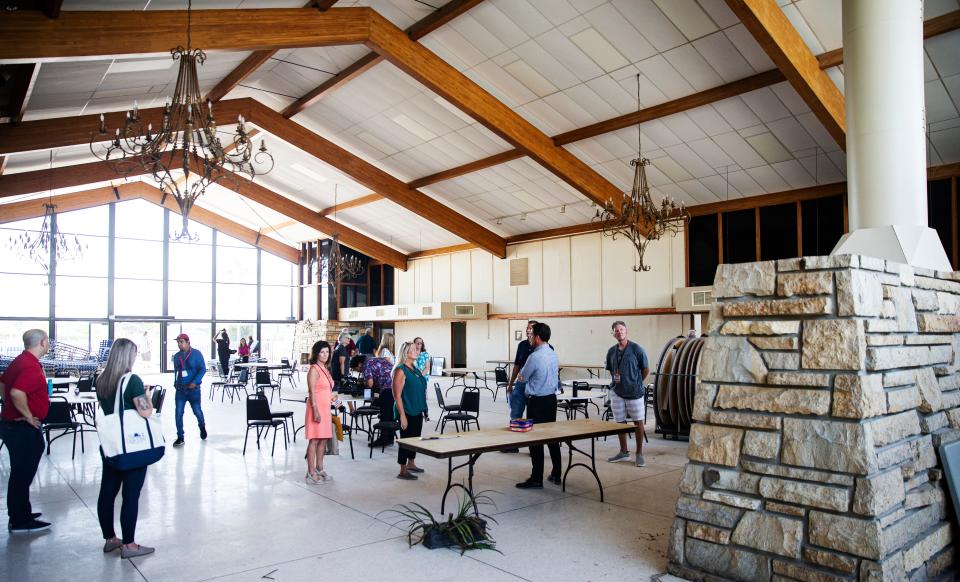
pixel 640 460
pixel 407 476
pixel 109 546
pixel 618 457
pixel 178 443
pixel 528 484
pixel 203 433
pixel 32 526
pixel 140 551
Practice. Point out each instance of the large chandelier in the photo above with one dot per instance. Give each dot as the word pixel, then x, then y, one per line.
pixel 342 266
pixel 184 155
pixel 48 241
pixel 638 210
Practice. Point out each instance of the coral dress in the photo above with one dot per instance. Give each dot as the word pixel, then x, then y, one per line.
pixel 320 428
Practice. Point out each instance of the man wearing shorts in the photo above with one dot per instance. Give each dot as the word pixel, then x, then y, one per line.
pixel 628 366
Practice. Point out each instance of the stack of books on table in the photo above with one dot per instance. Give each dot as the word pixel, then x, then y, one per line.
pixel 521 425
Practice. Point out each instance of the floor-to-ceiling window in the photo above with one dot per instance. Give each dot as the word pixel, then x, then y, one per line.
pixel 132 282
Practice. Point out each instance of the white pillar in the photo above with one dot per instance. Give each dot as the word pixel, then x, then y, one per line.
pixel 885 127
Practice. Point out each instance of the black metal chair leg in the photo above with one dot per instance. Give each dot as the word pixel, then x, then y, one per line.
pixel 245 435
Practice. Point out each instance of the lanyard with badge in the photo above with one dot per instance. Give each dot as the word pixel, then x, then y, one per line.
pixel 183 367
pixel 616 374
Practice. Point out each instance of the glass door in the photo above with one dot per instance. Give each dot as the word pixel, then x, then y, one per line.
pixel 146 334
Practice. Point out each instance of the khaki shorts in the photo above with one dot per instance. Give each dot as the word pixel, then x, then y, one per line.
pixel 624 408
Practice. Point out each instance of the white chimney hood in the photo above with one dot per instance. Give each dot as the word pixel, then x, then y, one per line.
pixel 416 311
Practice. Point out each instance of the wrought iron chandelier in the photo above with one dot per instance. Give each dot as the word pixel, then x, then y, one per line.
pixel 639 211
pixel 49 241
pixel 342 266
pixel 186 142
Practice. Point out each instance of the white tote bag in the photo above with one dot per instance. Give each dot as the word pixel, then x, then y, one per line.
pixel 128 440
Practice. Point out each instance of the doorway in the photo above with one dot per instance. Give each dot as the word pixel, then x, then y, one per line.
pixel 458 341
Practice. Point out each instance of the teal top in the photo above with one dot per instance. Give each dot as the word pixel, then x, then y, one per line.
pixel 134 388
pixel 414 394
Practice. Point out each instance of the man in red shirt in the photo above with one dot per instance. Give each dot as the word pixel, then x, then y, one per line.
pixel 25 405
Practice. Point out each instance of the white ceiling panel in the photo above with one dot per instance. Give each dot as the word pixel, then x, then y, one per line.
pixel 688 17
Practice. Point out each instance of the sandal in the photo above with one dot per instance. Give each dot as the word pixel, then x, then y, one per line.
pixel 323 476
pixel 311 479
pixel 407 476
pixel 415 469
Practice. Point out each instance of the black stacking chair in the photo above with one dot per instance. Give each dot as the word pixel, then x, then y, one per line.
pixel 260 418
pixel 500 375
pixel 221 383
pixel 264 381
pixel 445 409
pixel 286 372
pixel 60 416
pixel 469 411
pixel 382 428
pixel 234 388
pixel 159 396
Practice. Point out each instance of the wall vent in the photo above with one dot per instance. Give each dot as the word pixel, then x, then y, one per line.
pixel 402 312
pixel 702 298
pixel 463 310
pixel 380 312
pixel 519 272
pixel 354 314
pixel 427 310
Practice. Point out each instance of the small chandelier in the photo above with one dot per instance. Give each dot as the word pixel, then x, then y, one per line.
pixel 186 142
pixel 638 210
pixel 39 246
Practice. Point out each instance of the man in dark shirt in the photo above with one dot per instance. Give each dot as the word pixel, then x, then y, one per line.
pixel 628 366
pixel 26 403
pixel 366 344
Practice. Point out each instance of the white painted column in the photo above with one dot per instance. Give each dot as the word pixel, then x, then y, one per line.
pixel 883 81
pixel 885 126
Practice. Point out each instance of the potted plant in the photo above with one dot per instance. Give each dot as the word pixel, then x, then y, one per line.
pixel 466 530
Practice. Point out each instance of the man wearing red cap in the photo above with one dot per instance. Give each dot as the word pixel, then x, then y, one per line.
pixel 189 368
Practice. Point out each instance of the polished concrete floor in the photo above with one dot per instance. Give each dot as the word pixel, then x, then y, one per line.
pixel 215 514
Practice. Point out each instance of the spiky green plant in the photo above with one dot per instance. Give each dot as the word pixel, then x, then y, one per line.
pixel 466 529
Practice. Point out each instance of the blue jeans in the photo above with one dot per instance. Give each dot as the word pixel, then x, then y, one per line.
pixel 193 397
pixel 518 400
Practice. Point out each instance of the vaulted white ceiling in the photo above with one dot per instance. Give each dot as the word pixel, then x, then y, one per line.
pixel 561 65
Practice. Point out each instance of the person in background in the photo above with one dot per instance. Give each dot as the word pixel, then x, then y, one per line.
pixel 318 424
pixel 243 351
pixel 628 366
pixel 223 350
pixel 377 377
pixel 410 401
pixel 254 346
pixel 189 368
pixel 350 344
pixel 146 347
pixel 26 403
pixel 341 359
pixel 366 344
pixel 386 348
pixel 425 365
pixel 135 396
pixel 542 373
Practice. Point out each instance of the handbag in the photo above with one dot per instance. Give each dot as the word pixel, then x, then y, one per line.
pixel 331 446
pixel 128 440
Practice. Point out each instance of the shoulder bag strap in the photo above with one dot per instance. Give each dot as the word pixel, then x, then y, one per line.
pixel 118 406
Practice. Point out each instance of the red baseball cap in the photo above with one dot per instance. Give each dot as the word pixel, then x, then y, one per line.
pixel 184 337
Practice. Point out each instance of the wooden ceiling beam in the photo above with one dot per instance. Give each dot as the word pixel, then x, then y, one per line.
pixel 367 199
pixel 68 131
pixel 376 179
pixel 416 31
pixel 56 178
pixel 32 37
pixel 25 77
pixel 138 190
pixel 279 203
pixel 774 32
pixel 445 80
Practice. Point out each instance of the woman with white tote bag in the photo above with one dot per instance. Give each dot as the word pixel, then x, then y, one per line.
pixel 130 440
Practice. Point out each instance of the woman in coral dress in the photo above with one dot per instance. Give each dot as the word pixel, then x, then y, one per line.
pixel 318 424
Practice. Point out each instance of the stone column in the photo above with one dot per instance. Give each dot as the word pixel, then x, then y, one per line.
pixel 827 384
pixel 885 123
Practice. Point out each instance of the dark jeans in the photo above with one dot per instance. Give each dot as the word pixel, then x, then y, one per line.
pixel 543 409
pixel 110 484
pixel 26 445
pixel 183 397
pixel 414 428
pixel 385 403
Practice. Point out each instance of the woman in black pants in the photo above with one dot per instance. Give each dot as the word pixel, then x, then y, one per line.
pixel 223 350
pixel 123 354
pixel 410 396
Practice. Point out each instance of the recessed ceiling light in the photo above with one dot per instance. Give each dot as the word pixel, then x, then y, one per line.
pixel 413 127
pixel 308 172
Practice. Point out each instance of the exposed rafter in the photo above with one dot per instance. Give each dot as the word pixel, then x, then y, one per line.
pixel 774 32
pixel 23 81
pixel 416 31
pixel 376 179
pixel 139 190
pixel 32 37
pixel 360 201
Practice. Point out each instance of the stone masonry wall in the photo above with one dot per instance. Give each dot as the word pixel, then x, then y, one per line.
pixel 310 332
pixel 827 384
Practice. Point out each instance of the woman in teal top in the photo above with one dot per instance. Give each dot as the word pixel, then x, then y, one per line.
pixel 123 355
pixel 410 397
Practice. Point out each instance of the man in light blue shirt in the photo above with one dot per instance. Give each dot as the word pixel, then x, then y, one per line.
pixel 542 373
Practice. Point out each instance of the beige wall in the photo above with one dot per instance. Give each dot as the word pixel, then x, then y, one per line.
pixel 581 273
